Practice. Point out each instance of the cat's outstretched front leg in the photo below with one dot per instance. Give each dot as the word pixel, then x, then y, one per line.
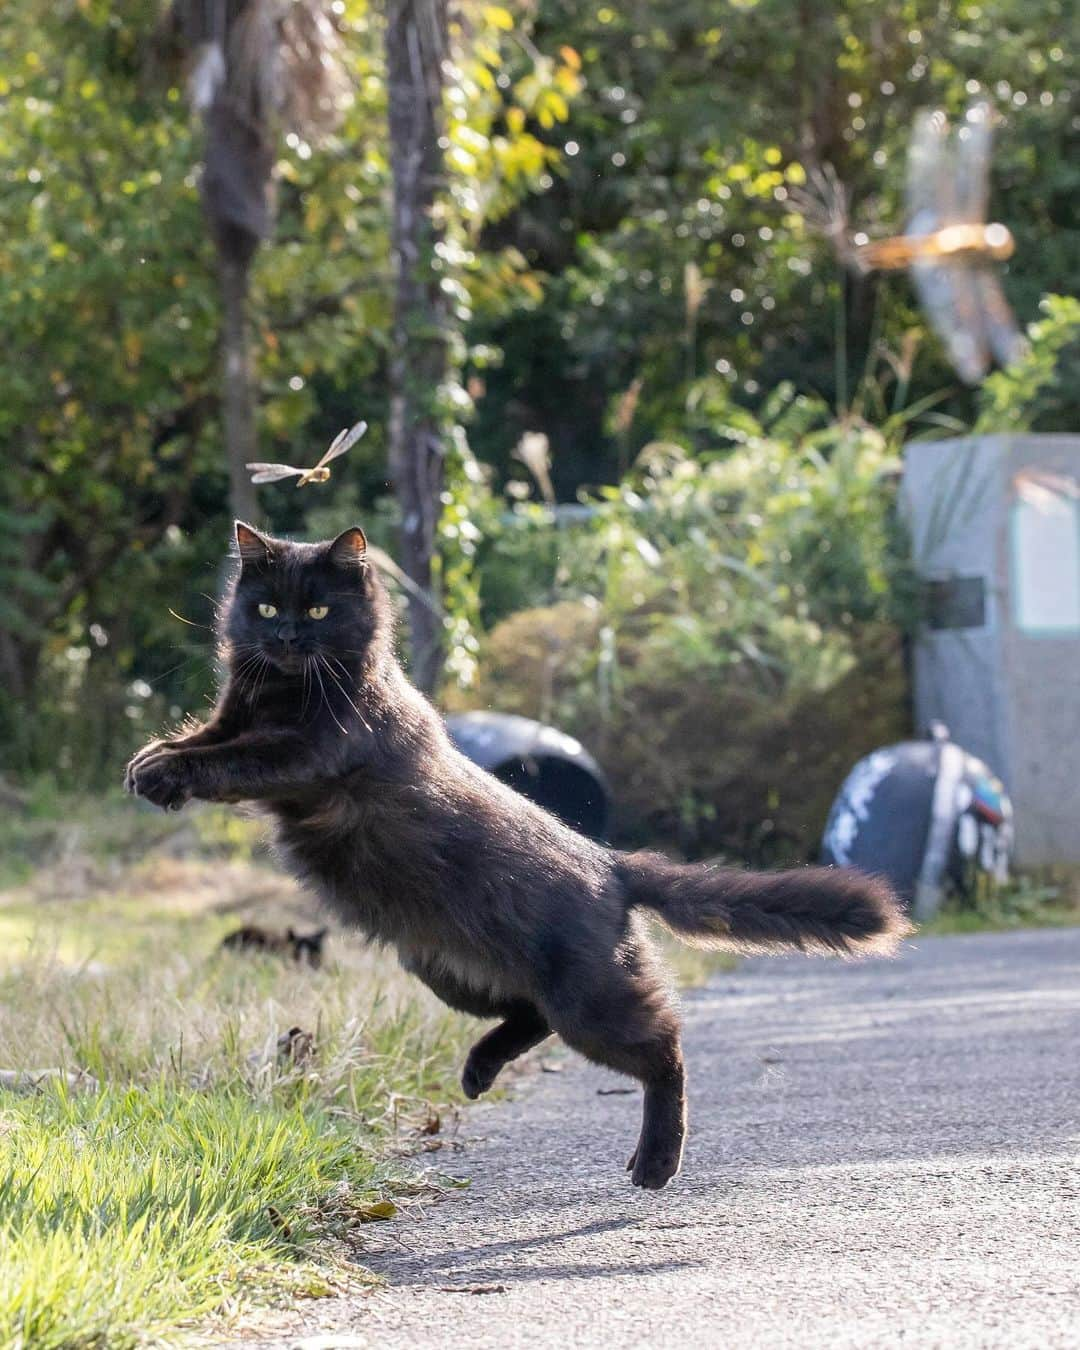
pixel 212 733
pixel 228 719
pixel 248 767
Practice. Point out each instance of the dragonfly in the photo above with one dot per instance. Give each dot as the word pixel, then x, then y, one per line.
pixel 948 246
pixel 274 473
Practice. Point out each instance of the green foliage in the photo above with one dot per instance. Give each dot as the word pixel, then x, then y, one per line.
pixel 113 504
pixel 1038 392
pixel 721 639
pixel 627 261
pixel 1027 901
pixel 675 240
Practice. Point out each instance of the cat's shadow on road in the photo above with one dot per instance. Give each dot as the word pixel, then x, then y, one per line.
pixel 481 1264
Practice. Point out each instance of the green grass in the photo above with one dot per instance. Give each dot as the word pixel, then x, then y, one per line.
pixel 124 1212
pixel 1048 899
pixel 210 1170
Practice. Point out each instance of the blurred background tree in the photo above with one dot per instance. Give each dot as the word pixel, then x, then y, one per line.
pixel 417 53
pixel 254 69
pixel 627 244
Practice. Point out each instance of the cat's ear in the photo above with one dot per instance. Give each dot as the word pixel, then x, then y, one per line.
pixel 254 550
pixel 349 549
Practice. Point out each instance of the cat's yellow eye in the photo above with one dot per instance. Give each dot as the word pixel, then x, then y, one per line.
pixel 318 611
pixel 268 611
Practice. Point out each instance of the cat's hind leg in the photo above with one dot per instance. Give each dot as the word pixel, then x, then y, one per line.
pixel 617 1013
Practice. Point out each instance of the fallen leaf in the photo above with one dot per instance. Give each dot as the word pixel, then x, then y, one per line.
pixel 378 1209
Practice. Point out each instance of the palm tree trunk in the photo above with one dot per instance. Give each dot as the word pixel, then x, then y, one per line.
pixel 238 405
pixel 416 43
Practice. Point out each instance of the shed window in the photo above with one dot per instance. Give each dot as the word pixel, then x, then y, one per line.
pixel 1046 555
pixel 956 602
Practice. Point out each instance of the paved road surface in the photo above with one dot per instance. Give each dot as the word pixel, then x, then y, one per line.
pixel 883 1154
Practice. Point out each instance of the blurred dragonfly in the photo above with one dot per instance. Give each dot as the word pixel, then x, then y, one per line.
pixel 949 248
pixel 273 473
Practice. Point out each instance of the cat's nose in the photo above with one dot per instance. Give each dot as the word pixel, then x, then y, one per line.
pixel 286 631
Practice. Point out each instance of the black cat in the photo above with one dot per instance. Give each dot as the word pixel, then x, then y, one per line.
pixel 306 949
pixel 498 907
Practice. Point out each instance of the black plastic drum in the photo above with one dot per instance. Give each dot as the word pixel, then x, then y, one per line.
pixel 926 815
pixel 544 764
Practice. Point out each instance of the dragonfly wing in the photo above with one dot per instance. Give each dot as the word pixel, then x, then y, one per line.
pixel 948 294
pixel 344 440
pixel 1004 337
pixel 973 143
pixel 271 473
pixel 931 201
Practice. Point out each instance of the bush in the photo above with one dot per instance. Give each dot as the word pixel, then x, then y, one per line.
pixel 727 637
pixel 1039 391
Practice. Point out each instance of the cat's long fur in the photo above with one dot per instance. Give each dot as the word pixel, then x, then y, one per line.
pixel 498 907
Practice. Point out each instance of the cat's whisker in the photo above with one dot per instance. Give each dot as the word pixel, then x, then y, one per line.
pixel 248 667
pixel 346 673
pixel 306 686
pixel 190 622
pixel 330 672
pixel 173 669
pixel 345 694
pixel 325 699
pixel 264 675
pixel 218 606
pixel 255 672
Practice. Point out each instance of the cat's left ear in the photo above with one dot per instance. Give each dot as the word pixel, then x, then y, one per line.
pixel 349 549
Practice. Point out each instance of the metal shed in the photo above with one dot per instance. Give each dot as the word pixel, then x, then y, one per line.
pixel 995 527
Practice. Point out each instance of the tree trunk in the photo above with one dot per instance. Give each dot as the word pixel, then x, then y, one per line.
pixel 416 42
pixel 20 669
pixel 238 398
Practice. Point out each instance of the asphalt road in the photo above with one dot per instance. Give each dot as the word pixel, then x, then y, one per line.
pixel 881 1154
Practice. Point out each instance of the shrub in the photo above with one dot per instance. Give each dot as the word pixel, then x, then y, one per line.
pixel 727 638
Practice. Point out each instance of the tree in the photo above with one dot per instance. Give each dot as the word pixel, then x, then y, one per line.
pixel 700 121
pixel 256 66
pixel 115 488
pixel 416 52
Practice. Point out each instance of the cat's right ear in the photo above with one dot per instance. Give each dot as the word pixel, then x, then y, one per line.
pixel 254 550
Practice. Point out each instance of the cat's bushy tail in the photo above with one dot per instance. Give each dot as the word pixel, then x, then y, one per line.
pixel 811 909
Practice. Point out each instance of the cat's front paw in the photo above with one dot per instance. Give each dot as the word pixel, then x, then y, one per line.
pixel 148 751
pixel 162 778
